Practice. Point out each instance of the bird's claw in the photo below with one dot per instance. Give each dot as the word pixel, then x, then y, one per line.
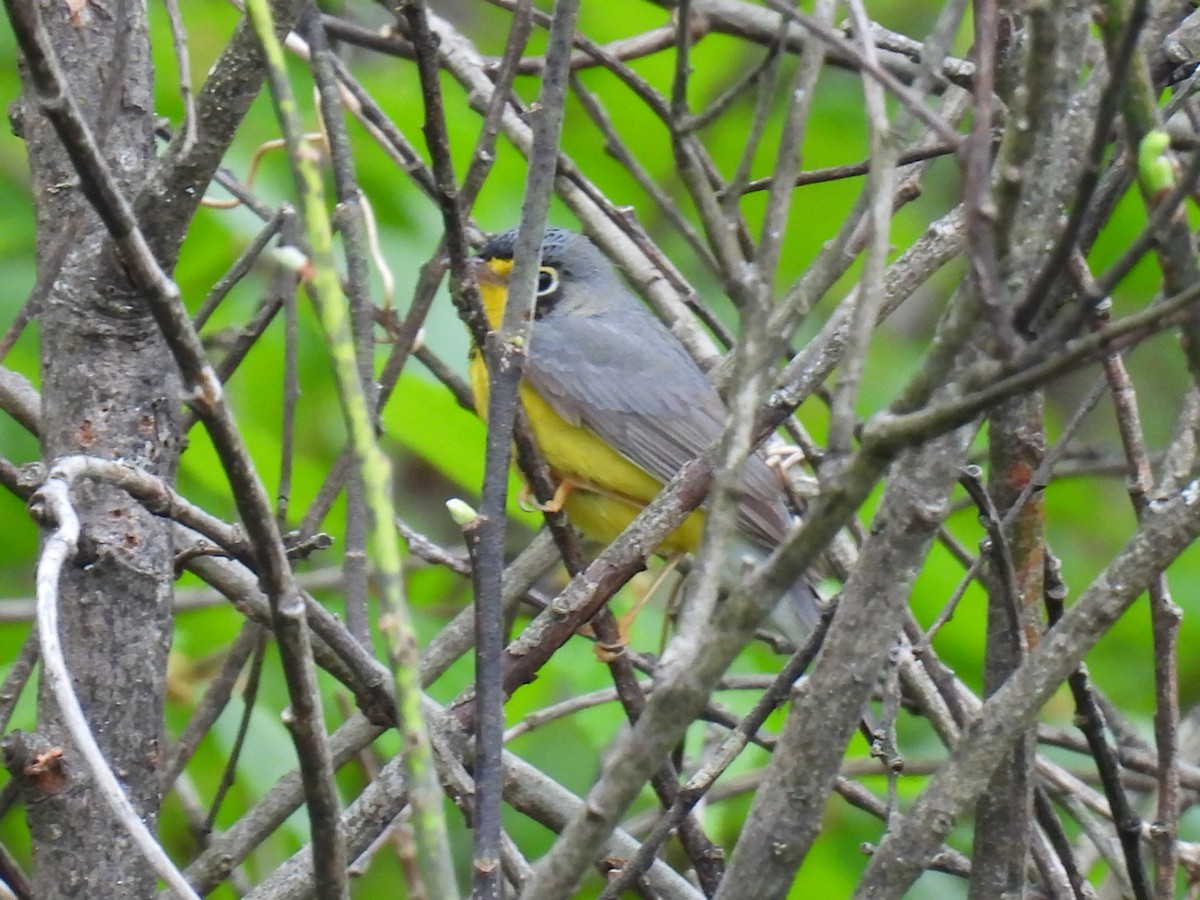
pixel 555 504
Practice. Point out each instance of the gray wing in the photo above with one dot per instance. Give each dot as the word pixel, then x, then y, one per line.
pixel 639 390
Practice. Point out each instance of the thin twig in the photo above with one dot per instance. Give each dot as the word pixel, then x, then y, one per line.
pixel 52 505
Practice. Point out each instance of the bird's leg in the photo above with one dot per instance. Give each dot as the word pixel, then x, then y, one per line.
pixel 556 502
pixel 529 503
pixel 782 457
pixel 609 652
pixel 525 499
pixel 671 613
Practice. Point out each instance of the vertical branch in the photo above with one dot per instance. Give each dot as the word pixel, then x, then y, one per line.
pixel 425 792
pixel 1016 448
pixel 980 207
pixel 1176 251
pixel 1125 820
pixel 1014 215
pixel 505 356
pixel 880 188
pixel 485 149
pixel 349 219
pixel 720 223
pixel 787 157
pixel 109 388
pixel 1164 618
pixel 291 396
pixel 462 284
pixel 683 66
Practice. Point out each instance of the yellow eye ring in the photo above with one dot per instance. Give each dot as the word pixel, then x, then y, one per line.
pixel 547 281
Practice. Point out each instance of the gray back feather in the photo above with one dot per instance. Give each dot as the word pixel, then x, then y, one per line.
pixel 602 360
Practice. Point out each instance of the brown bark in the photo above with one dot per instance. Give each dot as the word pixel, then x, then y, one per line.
pixel 109 389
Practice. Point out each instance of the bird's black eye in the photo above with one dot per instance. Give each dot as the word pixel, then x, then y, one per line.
pixel 547 281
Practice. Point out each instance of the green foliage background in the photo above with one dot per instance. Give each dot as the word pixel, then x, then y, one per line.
pixel 438 447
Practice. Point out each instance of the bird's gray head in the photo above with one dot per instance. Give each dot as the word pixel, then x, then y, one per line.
pixel 575 278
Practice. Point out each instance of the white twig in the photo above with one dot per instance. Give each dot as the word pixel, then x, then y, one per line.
pixel 54 503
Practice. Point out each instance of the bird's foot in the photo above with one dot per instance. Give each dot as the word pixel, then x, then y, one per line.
pixel 607 652
pixel 529 503
pixel 610 652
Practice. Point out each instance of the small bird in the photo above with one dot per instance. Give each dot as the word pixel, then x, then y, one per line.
pixel 617 405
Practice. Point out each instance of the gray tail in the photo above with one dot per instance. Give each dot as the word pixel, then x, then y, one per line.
pixel 798 611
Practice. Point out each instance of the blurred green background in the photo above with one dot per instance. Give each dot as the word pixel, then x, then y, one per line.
pixel 438 447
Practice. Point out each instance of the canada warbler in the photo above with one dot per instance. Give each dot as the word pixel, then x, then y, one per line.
pixel 616 404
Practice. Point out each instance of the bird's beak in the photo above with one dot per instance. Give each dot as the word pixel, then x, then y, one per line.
pixel 484 273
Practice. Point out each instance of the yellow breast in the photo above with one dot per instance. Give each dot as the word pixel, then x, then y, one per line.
pixel 610 490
